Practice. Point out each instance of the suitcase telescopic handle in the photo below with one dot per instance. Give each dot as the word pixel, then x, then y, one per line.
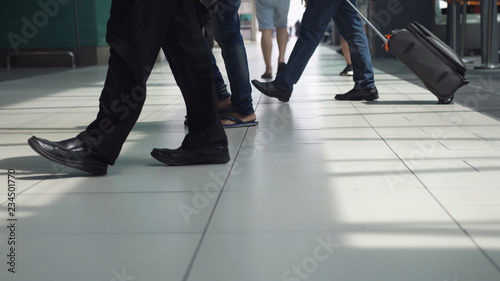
pixel 369 23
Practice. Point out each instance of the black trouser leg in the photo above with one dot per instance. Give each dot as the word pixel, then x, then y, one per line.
pixel 190 62
pixel 136 31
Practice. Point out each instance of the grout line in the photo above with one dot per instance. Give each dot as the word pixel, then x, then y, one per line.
pixel 444 145
pixel 205 230
pixel 457 223
pixel 35 184
pixel 472 166
pixel 484 139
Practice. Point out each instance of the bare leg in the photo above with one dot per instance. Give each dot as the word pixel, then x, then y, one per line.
pixel 345 50
pixel 282 38
pixel 267 48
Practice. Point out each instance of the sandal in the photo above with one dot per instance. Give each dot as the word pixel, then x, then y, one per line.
pixel 238 122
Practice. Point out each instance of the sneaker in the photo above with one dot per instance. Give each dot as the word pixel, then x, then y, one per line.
pixel 358 94
pixel 347 71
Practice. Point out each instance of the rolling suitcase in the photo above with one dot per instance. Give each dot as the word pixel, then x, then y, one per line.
pixel 439 67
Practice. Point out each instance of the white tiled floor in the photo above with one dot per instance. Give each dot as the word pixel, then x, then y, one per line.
pixel 397 189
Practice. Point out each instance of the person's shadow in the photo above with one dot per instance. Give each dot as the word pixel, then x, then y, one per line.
pixel 37 168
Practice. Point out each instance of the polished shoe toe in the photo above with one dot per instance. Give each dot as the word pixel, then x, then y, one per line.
pixel 72 153
pixel 270 90
pixel 358 94
pixel 182 156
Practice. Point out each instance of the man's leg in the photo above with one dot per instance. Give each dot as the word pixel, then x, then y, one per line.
pixel 203 15
pixel 134 34
pixel 227 33
pixel 189 58
pixel 314 22
pixel 351 29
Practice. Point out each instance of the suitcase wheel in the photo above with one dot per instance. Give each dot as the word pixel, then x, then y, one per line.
pixel 446 101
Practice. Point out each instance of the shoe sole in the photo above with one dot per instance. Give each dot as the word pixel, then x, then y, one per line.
pixel 262 90
pixel 241 125
pixel 98 170
pixel 371 98
pixel 222 159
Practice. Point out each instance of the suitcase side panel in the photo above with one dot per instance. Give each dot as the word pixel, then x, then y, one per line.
pixel 437 75
pixel 448 53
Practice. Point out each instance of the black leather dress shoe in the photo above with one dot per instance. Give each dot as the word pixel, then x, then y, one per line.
pixel 270 90
pixel 358 94
pixel 182 156
pixel 72 153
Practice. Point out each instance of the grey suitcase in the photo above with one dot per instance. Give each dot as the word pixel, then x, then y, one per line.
pixel 439 67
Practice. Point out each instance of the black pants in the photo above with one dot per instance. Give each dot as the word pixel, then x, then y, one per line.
pixel 136 31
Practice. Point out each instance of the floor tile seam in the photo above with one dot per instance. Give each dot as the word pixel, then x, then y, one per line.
pixel 482 138
pixel 359 189
pixel 35 76
pixel 472 166
pixel 331 79
pixel 290 130
pixel 24 109
pixel 483 252
pixel 114 193
pixel 456 222
pixel 463 109
pixel 472 205
pixel 256 104
pixel 34 122
pixel 483 112
pixel 403 160
pixel 31 186
pixel 141 233
pixel 158 110
pixel 214 208
pixel 369 230
pixel 462 228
